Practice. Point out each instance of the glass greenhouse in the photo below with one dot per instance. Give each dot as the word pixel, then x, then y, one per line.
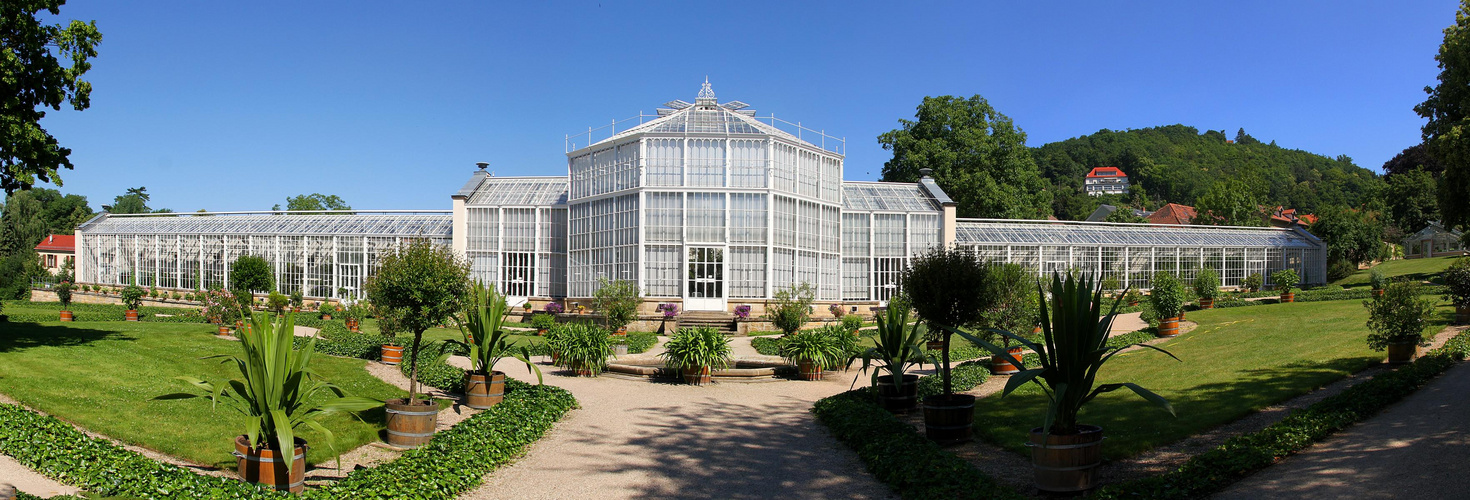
pixel 704 204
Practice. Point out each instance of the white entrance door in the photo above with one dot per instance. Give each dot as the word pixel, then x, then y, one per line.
pixel 705 289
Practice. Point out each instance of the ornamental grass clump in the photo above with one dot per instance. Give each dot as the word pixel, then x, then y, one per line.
pixel 277 389
pixel 1400 316
pixel 584 348
pixel 826 347
pixel 693 348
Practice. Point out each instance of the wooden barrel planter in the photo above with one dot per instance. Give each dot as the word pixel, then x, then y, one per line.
pixel 1462 315
pixel 482 392
pixel 898 398
pixel 1001 366
pixel 1066 463
pixel 949 419
pixel 1168 327
pixel 936 345
pixel 1206 303
pixel 7 492
pixel 268 468
pixel 697 375
pixel 352 324
pixel 223 331
pixel 582 370
pixel 809 370
pixel 130 315
pixel 392 354
pixel 1288 297
pixel 411 426
pixel 66 316
pixel 326 317
pixel 1402 352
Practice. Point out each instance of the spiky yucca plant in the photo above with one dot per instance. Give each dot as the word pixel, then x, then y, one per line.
pixel 277 389
pixel 1074 348
pixel 480 323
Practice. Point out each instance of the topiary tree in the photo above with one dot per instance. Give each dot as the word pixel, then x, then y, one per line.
pixel 1457 283
pixel 618 302
pixel 950 289
pixel 425 284
pixel 132 297
pixel 1014 307
pixel 1399 316
pixel 1206 283
pixel 1166 296
pixel 250 273
pixel 1377 280
pixel 1285 279
pixel 1253 282
pixel 791 307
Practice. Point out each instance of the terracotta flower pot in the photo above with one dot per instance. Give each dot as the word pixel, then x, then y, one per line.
pixel 1378 292
pixel 267 467
pixel 697 375
pixel 809 370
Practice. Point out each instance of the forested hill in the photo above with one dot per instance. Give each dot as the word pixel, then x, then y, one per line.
pixel 1176 163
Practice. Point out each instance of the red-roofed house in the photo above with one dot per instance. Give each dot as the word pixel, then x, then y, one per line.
pixel 1105 180
pixel 55 250
pixel 1172 213
pixel 1287 217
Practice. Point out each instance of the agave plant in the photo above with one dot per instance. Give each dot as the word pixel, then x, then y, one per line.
pixel 480 323
pixel 1074 348
pixel 695 348
pixel 276 389
pixel 822 346
pixel 897 344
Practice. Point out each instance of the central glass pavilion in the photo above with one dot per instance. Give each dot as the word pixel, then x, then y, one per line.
pixel 703 204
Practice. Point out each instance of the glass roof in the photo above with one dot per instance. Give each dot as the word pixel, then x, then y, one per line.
pixel 991 232
pixel 705 120
pixel 432 225
pixel 886 196
pixel 520 191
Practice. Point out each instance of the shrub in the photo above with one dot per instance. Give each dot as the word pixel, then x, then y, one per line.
pixel 132 297
pixel 63 293
pixel 543 321
pixel 1285 280
pixel 1399 316
pixel 1339 269
pixel 1206 283
pixel 1253 282
pixel 1111 283
pixel 276 301
pixel 791 307
pixel 1133 296
pixel 252 274
pixel 1167 295
pixel 296 299
pixel 852 322
pixel 1377 279
pixel 618 302
pixel 1457 283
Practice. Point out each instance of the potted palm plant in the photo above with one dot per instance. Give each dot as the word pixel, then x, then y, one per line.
pixel 897 347
pixel 1206 287
pixel 1167 299
pixel 1377 281
pixel 480 323
pixel 1398 320
pixel 585 349
pixel 1457 288
pixel 812 350
pixel 1284 281
pixel 1065 453
pixel 132 298
pixel 695 352
pixel 279 393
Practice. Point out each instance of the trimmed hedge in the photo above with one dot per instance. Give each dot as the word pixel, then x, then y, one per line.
pixel 1243 455
pixel 433 371
pixel 453 462
pixel 897 455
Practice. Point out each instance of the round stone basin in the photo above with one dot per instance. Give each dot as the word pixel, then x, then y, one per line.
pixel 742 368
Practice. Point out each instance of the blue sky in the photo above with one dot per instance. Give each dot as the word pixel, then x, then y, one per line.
pixel 235 106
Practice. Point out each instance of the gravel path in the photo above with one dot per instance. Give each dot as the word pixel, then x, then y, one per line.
pixel 654 439
pixel 1414 449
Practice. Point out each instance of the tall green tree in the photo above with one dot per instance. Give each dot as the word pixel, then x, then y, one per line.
pixel 1353 235
pixel 1229 203
pixel 1448 109
pixel 1411 200
pixel 1412 157
pixel 35 78
pixel 425 284
pixel 979 157
pixel 314 201
pixel 134 202
pixel 28 216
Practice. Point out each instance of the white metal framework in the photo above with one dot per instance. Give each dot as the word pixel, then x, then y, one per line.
pixel 322 254
pixel 1132 253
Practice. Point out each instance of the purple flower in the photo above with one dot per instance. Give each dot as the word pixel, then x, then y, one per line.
pixel 553 308
pixel 742 311
pixel 669 310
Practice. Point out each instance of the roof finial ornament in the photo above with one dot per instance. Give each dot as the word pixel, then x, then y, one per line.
pixel 706 94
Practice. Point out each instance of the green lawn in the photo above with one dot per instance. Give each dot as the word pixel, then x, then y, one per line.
pixel 1238 361
pixel 102 375
pixel 1417 269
